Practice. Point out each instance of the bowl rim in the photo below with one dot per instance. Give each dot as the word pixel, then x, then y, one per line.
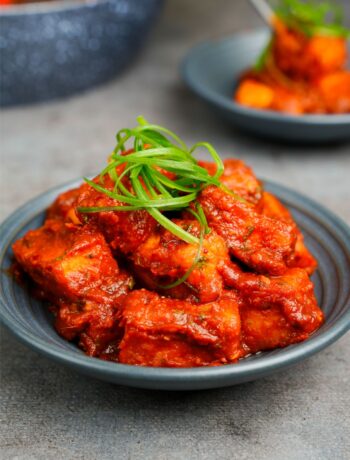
pixel 47 6
pixel 217 99
pixel 243 370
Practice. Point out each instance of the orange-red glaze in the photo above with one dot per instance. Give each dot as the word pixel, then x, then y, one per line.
pixel 300 75
pixel 160 331
pixel 74 268
pixel 262 243
pixel 63 208
pixel 249 291
pixel 276 310
pixel 335 91
pixel 302 257
pixel 166 258
pixel 237 177
pixel 302 57
pixel 124 231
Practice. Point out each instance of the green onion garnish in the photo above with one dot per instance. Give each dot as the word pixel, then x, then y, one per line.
pixel 263 56
pixel 313 17
pixel 157 151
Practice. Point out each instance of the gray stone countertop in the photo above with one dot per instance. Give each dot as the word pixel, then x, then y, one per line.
pixel 49 412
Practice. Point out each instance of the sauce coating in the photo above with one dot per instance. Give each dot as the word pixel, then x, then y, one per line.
pixel 105 274
pixel 299 75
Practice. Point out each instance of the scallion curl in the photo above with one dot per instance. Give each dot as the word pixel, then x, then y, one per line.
pixel 156 157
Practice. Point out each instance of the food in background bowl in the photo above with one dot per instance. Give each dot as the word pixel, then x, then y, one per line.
pixel 165 261
pixel 302 70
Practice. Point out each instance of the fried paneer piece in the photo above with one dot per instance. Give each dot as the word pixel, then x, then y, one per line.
pixel 302 257
pixel 124 231
pixel 157 256
pixel 302 57
pixel 262 91
pixel 261 243
pixel 335 92
pixel 267 329
pixel 255 94
pixel 165 258
pixel 295 103
pixel 63 207
pixel 74 268
pixel 70 262
pixel 165 332
pixel 275 311
pixel 300 74
pixel 237 177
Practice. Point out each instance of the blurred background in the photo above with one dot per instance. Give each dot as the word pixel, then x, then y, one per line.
pixel 45 144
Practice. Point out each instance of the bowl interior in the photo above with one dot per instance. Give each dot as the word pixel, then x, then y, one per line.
pixel 326 236
pixel 216 66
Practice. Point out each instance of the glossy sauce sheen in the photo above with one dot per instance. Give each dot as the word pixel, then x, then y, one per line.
pixel 300 75
pixel 104 276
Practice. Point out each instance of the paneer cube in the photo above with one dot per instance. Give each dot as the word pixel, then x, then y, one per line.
pixel 74 267
pixel 275 311
pixel 165 332
pixel 302 257
pixel 263 244
pixel 63 208
pixel 124 231
pixel 237 177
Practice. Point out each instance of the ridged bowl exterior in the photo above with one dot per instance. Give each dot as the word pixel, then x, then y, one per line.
pixel 61 48
pixel 326 235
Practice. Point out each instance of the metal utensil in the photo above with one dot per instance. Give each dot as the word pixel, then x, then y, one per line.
pixel 264 10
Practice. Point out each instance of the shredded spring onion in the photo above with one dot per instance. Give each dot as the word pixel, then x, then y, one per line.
pixel 309 17
pixel 155 152
pixel 313 17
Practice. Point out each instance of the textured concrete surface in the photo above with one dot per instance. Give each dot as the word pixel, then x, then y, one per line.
pixel 48 412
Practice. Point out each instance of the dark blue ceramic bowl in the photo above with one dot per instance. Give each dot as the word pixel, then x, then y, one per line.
pixel 326 235
pixel 212 70
pixel 56 48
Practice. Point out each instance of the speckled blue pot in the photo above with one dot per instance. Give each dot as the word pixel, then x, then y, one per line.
pixel 49 50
